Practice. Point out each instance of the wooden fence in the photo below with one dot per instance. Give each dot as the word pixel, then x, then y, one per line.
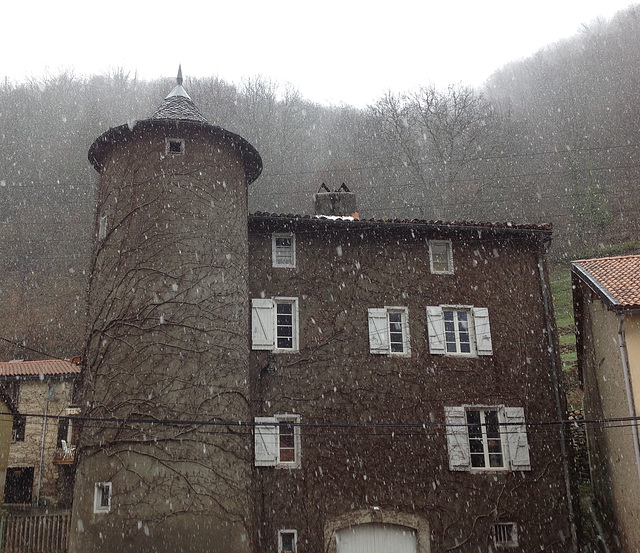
pixel 35 533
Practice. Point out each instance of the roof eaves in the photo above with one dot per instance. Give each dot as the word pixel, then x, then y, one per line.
pixel 542 231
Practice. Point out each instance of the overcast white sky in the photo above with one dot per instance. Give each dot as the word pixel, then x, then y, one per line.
pixel 334 51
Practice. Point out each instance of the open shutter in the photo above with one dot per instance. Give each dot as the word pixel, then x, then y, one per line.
pixel 262 324
pixel 265 434
pixel 378 330
pixel 483 331
pixel 516 431
pixel 457 438
pixel 435 328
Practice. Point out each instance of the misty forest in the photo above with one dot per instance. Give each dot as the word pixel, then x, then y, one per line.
pixel 551 138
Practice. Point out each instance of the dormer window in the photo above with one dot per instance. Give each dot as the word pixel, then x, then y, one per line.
pixel 175 146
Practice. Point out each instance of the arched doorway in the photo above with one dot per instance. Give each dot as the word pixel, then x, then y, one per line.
pixel 376 538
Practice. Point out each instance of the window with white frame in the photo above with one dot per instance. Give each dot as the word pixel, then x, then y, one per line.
pixel 277 441
pixel 283 250
pixel 102 228
pixel 505 534
pixel 389 331
pixel 441 257
pixel 487 438
pixel 459 330
pixel 287 541
pixel 102 497
pixel 274 324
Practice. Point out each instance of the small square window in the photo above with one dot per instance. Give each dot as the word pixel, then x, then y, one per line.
pixel 283 250
pixel 287 541
pixel 505 534
pixel 175 146
pixel 441 257
pixel 102 497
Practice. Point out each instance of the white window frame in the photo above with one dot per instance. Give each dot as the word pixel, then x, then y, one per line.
pixel 267 441
pixel 479 331
pixel 98 496
pixel 102 228
pixel 169 141
pixel 514 442
pixel 505 534
pixel 289 262
pixel 265 328
pixel 449 254
pixel 383 331
pixel 281 533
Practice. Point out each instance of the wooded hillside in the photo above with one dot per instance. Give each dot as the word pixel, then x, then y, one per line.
pixel 551 138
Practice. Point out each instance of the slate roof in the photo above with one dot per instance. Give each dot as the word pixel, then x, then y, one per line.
pixel 46 367
pixel 179 105
pixel 177 111
pixel 615 279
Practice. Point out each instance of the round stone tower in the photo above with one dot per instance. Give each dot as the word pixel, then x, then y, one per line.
pixel 167 348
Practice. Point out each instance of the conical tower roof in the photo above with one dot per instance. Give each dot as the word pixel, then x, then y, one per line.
pixel 179 112
pixel 179 105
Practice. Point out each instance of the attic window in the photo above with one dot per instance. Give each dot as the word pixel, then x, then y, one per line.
pixel 175 146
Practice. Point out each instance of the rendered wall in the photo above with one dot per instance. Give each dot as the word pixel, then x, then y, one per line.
pixel 612 455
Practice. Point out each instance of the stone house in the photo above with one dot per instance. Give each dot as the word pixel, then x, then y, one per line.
pixel 308 383
pixel 403 377
pixel 606 297
pixel 40 465
pixel 8 411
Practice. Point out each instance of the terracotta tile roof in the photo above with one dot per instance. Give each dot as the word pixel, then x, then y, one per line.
pixel 48 367
pixel 615 278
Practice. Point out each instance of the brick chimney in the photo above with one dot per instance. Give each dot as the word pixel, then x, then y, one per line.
pixel 341 203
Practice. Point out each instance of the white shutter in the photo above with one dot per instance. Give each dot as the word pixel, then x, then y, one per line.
pixel 435 328
pixel 483 331
pixel 265 434
pixel 262 323
pixel 378 330
pixel 517 438
pixel 457 438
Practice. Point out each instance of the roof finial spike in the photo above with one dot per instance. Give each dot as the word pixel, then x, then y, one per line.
pixel 179 79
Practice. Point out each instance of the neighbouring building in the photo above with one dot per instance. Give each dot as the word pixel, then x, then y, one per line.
pixel 606 296
pixel 314 383
pixel 40 465
pixel 8 410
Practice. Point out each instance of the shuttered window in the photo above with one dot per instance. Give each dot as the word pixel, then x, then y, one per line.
pixel 277 441
pixel 389 331
pixel 487 438
pixel 274 324
pixel 459 330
